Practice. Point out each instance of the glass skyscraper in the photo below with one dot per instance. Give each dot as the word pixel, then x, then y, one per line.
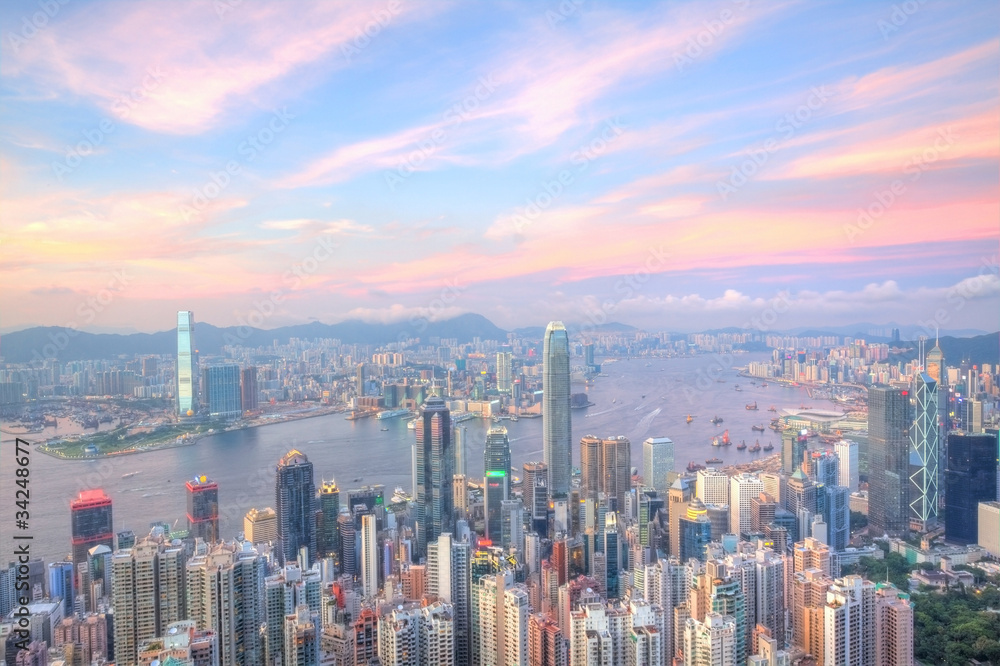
pixel 925 436
pixel 890 417
pixel 434 471
pixel 496 487
pixel 203 509
pixel 557 447
pixel 657 463
pixel 223 397
pixel 187 365
pixel 295 502
pixel 971 478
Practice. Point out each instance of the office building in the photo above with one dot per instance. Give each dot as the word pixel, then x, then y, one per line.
pixel 203 509
pixel 890 418
pixel 496 485
pixel 847 455
pixel 434 471
pixel 347 533
pixel 328 534
pixel 186 389
pixel 295 502
pixel 712 486
pixel 260 526
pixel 743 489
pixel 793 448
pixel 92 524
pixel 989 527
pixel 695 532
pixel 971 478
pixel 221 397
pixel 62 585
pixel 657 463
pixel 557 446
pixel 605 467
pixel 925 445
pixel 369 557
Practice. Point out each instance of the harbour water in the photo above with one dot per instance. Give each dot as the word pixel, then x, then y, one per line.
pixel 636 398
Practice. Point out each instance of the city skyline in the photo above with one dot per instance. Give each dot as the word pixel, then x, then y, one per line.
pixel 403 162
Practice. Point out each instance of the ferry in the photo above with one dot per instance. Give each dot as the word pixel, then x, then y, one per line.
pixel 713 461
pixel 129 475
pixel 384 429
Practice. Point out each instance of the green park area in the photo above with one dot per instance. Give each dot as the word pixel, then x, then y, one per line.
pixel 126 439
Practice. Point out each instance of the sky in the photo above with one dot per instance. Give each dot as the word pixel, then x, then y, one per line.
pixel 673 166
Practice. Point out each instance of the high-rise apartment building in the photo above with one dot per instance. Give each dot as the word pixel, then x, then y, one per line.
pixel 186 389
pixel 249 393
pixel 369 556
pixel 505 378
pixel 557 446
pixel 295 497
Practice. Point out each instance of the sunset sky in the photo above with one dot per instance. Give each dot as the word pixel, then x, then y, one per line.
pixel 674 166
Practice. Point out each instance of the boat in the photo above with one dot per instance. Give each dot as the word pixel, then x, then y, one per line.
pixel 694 467
pixel 758 428
pixel 411 425
pixel 771 409
pixel 752 407
pixel 738 388
pixel 129 475
pixel 713 461
pixel 384 429
pixel 741 446
pixel 769 447
pixel 755 448
pixel 716 420
pixel 763 385
pixel 391 413
pixel 725 438
pixel 690 418
pixel 716 442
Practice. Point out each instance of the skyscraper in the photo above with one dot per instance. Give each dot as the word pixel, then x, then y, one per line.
pixel 971 478
pixel 221 391
pixel 890 418
pixel 294 496
pixel 847 454
pixel 434 471
pixel 369 556
pixel 925 444
pixel 496 487
pixel 743 489
pixel 248 388
pixel 505 381
pixel 657 463
pixel 557 433
pixel 203 508
pixel 328 538
pixel 605 467
pixel 186 391
pixel 92 524
pixel 260 526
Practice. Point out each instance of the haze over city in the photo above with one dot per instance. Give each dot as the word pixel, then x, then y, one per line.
pixel 670 166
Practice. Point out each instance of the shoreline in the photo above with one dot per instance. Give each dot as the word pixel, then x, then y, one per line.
pixel 42 447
